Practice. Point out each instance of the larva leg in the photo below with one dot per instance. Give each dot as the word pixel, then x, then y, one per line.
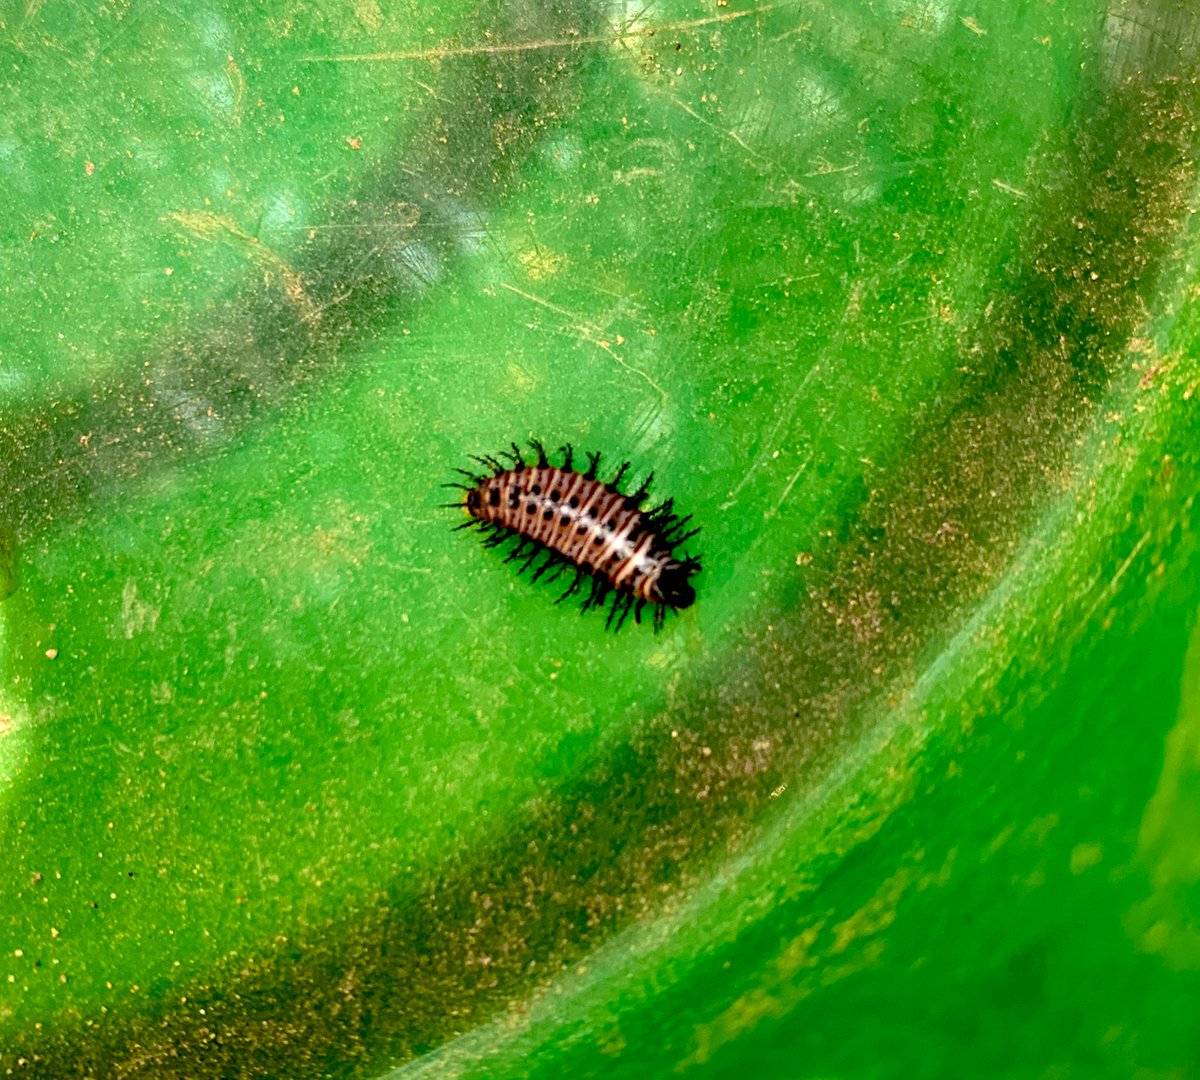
pixel 574 586
pixel 563 562
pixel 623 604
pixel 518 551
pixel 490 462
pixel 553 558
pixel 598 593
pixel 643 491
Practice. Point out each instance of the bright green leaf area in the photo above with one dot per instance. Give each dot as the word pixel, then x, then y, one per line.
pixel 257 690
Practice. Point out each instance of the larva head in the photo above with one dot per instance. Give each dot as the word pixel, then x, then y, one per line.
pixel 673 586
pixel 483 502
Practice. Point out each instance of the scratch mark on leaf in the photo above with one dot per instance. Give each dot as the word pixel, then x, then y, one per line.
pixel 787 491
pixel 588 334
pixel 1009 189
pixel 212 226
pixel 237 87
pixel 728 133
pixel 1111 587
pixel 784 420
pixel 448 52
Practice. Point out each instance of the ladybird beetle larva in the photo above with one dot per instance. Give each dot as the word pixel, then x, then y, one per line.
pixel 576 522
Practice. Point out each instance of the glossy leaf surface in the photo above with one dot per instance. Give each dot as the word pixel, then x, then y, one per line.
pixel 896 297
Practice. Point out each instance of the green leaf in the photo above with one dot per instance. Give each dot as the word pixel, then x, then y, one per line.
pixel 897 299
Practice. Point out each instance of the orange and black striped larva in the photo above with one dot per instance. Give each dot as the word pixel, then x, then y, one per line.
pixel 576 522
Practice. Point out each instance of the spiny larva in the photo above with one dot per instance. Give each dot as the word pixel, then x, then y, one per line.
pixel 578 523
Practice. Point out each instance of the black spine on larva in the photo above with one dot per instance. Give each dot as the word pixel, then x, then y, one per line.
pixel 576 523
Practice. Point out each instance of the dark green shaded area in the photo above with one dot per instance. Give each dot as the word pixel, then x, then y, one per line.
pixel 8 563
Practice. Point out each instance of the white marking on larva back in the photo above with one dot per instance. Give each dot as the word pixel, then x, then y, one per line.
pixel 528 520
pixel 521 517
pixel 542 529
pixel 654 567
pixel 538 481
pixel 619 538
pixel 594 526
pixel 571 543
pixel 561 483
pixel 566 533
pixel 636 560
pixel 502 512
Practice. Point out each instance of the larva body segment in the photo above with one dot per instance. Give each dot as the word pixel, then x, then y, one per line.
pixel 575 521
